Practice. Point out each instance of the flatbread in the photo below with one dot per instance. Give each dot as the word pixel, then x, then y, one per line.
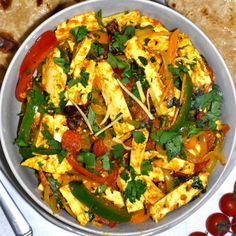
pixel 18 18
pixel 217 18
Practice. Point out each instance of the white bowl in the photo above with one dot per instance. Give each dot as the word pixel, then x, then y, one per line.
pixel 10 107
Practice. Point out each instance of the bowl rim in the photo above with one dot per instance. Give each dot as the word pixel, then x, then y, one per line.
pixel 67 224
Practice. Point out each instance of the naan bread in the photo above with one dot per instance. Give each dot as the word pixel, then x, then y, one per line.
pixel 217 18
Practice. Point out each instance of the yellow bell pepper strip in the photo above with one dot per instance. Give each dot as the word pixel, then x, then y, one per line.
pixel 187 91
pixel 98 205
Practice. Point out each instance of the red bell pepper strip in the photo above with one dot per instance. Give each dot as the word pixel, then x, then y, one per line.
pixel 37 53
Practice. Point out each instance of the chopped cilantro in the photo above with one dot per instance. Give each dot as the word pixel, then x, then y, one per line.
pixel 124 175
pixel 139 137
pixel 61 155
pixel 146 166
pixel 153 59
pixel 99 18
pixel 53 144
pixel 146 41
pixel 63 63
pixel 73 82
pixel 105 161
pixel 118 151
pixel 179 180
pixel 171 141
pixel 197 183
pixel 211 102
pixel 174 147
pixel 119 42
pixel 40 164
pixel 84 77
pixel 98 49
pixel 91 118
pixel 79 32
pixel 135 189
pixel 192 130
pixel 55 185
pixel 163 136
pixel 102 188
pixel 115 62
pixel 129 31
pixel 143 60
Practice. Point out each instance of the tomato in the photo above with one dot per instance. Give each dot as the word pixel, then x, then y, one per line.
pixel 197 233
pixel 99 148
pixel 227 204
pixel 210 139
pixel 200 166
pixel 102 220
pixel 218 224
pixel 71 141
pixel 37 53
pixel 233 225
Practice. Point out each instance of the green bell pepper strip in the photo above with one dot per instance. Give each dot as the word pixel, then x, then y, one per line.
pixel 27 121
pixel 27 152
pixel 187 90
pixel 97 205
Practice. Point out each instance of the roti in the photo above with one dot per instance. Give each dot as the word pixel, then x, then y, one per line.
pixel 18 18
pixel 217 18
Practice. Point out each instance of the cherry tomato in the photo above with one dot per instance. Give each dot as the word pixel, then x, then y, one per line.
pixel 37 53
pixel 197 233
pixel 227 204
pixel 233 225
pixel 99 148
pixel 218 224
pixel 71 141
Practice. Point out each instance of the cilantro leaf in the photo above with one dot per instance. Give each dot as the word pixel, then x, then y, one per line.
pixel 163 136
pixel 139 137
pixel 119 42
pixel 211 102
pixel 63 63
pixel 124 175
pixel 91 118
pixel 135 189
pixel 118 151
pixel 99 18
pixel 79 32
pixel 105 161
pixel 84 77
pixel 54 144
pixel 129 31
pixel 197 183
pixel 98 49
pixel 171 141
pixel 192 130
pixel 73 82
pixel 146 166
pixel 102 188
pixel 115 62
pixel 143 60
pixel 174 147
pixel 55 185
pixel 61 155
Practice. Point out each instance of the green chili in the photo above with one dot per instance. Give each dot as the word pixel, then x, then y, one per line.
pixel 98 205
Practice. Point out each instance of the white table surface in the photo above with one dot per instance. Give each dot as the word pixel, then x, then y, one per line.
pixel 42 227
